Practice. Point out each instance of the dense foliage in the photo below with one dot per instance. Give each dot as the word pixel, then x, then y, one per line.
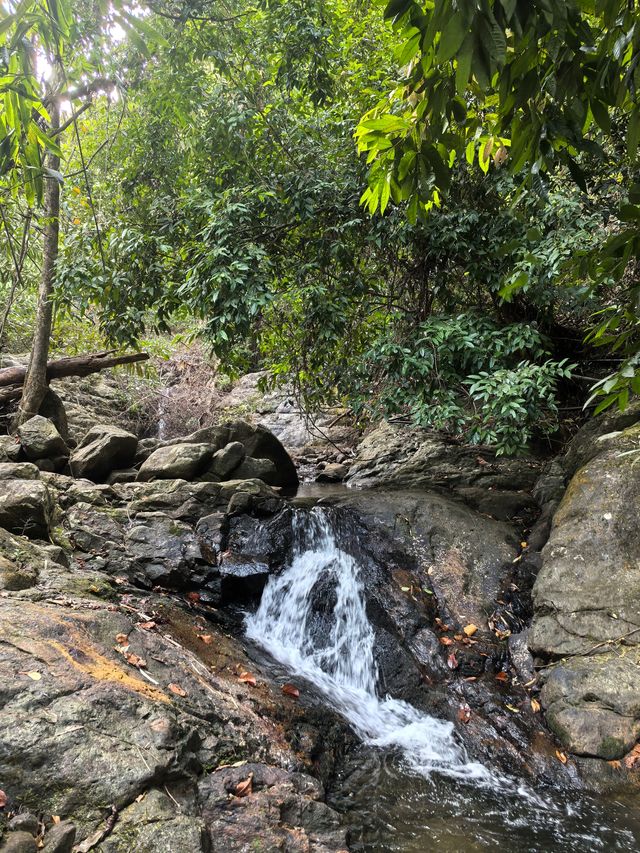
pixel 217 185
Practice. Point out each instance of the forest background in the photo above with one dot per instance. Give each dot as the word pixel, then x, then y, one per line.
pixel 427 210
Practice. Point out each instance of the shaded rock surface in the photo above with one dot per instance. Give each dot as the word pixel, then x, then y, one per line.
pixel 587 599
pixel 103 449
pixel 40 439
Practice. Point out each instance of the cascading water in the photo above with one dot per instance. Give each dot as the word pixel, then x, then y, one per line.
pixel 342 664
pixel 312 619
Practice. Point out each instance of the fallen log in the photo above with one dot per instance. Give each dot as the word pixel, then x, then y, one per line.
pixel 79 365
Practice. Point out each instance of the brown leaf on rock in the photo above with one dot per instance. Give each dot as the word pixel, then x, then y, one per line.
pixel 290 690
pixel 501 676
pixel 561 756
pixel 247 678
pixel 633 757
pixel 56 818
pixel 464 713
pixel 243 789
pixel 452 661
pixel 135 660
pixel 175 688
pixel 470 629
pixel 446 641
pixel 122 639
pixel 207 639
pixel 441 624
pixel 193 596
pixel 535 706
pixel 34 675
pixel 3 799
pixel 146 626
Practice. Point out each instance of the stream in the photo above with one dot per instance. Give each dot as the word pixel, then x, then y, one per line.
pixel 413 787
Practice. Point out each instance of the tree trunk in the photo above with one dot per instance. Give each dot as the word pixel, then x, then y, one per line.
pixel 74 365
pixel 35 385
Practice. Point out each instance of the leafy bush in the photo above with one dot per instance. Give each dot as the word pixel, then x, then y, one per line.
pixel 469 376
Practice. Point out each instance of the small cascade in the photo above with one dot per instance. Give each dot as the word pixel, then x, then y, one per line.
pixel 312 618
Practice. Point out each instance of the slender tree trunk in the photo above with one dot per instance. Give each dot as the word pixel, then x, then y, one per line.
pixel 35 386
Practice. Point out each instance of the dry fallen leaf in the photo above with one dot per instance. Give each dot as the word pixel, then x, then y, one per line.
pixel 243 789
pixel 502 676
pixel 135 660
pixel 147 626
pixel 33 675
pixel 247 678
pixel 441 624
pixel 464 713
pixel 120 580
pixel 452 661
pixel 617 765
pixel 55 818
pixel 561 756
pixel 513 709
pixel 290 690
pixel 207 639
pixel 446 641
pixel 470 629
pixel 122 639
pixel 3 799
pixel 175 688
pixel 633 757
pixel 459 637
pixel 535 706
pixel 193 596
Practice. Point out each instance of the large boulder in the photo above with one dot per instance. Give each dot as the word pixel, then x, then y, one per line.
pixel 19 471
pixel 259 443
pixel 226 459
pixel 40 439
pixel 9 448
pixel 164 551
pixel 103 449
pixel 587 601
pixel 176 462
pixel 25 508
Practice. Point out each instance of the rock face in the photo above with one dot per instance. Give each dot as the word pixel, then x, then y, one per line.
pixel 176 462
pixel 25 508
pixel 40 439
pixel 587 601
pixel 103 449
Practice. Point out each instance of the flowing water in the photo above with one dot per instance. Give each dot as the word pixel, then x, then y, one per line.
pixel 415 788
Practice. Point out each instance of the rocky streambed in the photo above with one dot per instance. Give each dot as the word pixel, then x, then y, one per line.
pixel 136 715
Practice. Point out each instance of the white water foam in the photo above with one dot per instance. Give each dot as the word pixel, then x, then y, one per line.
pixel 342 665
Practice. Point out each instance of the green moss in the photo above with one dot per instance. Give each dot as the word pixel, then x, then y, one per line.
pixel 611 748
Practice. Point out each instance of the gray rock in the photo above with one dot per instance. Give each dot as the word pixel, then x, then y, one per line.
pixel 40 439
pixel 24 822
pixel 256 469
pixel 164 550
pixel 15 576
pixel 19 471
pixel 176 462
pixel 225 460
pixel 18 842
pixel 259 443
pixel 587 599
pixel 25 508
pixel 9 448
pixel 60 838
pixel 333 472
pixel 103 448
pixel 122 475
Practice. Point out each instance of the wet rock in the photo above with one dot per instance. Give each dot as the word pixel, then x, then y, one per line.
pixel 103 448
pixel 18 842
pixel 284 811
pixel 177 461
pixel 25 508
pixel 19 471
pixel 210 532
pixel 40 439
pixel 225 460
pixel 60 838
pixel 122 475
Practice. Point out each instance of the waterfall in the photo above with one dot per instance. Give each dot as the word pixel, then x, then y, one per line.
pixel 312 618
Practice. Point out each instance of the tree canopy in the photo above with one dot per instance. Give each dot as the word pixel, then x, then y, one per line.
pixel 427 211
